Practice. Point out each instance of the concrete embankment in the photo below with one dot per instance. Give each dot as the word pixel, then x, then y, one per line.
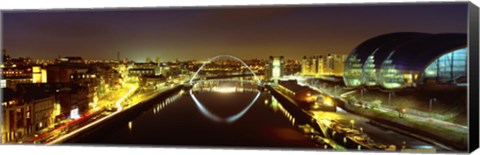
pixel 432 134
pixel 121 118
pixel 303 117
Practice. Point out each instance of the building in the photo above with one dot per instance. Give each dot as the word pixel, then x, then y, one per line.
pixel 136 74
pixel 292 67
pixel 408 59
pixel 16 116
pixel 24 114
pixel 331 65
pixel 15 74
pixel 72 60
pixel 152 81
pixel 62 72
pixel 43 109
pixel 71 99
pixel 275 68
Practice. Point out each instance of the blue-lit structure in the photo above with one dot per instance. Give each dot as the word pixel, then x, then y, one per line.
pixel 408 59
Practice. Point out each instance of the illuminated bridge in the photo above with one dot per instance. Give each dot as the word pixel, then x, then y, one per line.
pixel 226 60
pixel 220 85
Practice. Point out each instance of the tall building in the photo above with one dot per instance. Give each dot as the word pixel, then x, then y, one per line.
pixel 275 68
pixel 332 64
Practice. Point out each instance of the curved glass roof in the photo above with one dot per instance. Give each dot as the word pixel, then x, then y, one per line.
pixel 382 45
pixel 415 54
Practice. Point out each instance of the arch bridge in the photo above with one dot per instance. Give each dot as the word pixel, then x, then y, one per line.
pixel 207 113
pixel 196 74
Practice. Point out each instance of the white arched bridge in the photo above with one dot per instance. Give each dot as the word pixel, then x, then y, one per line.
pixel 191 82
pixel 194 80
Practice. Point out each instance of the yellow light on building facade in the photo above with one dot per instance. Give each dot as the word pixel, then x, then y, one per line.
pixel 36 69
pixel 408 78
pixel 36 74
pixel 56 109
pixel 44 76
pixel 276 68
pixel 328 101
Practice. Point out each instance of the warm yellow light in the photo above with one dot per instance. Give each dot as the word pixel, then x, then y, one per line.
pixel 352 121
pixel 130 125
pixel 328 101
pixel 44 76
pixel 224 89
pixel 310 98
pixel 326 122
pixel 36 69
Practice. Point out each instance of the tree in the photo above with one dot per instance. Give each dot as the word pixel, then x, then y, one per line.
pixel 376 104
pixel 352 99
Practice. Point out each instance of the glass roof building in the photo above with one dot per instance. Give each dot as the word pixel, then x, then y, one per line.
pixel 408 59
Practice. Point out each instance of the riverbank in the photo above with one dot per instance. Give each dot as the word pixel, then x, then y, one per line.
pixel 130 112
pixel 426 129
pixel 406 125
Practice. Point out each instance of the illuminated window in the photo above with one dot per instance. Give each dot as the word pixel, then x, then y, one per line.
pixel 353 71
pixel 449 68
pixel 390 77
pixel 369 71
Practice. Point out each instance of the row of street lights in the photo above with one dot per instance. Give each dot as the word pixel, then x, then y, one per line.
pixel 403 110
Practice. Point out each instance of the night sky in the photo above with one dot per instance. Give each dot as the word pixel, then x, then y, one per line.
pixel 200 33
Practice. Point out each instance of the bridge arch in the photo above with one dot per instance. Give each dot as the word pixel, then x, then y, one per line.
pixel 213 116
pixel 219 56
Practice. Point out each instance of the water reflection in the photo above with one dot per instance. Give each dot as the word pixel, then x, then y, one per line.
pixel 216 118
pixel 158 107
pixel 274 104
pixel 224 86
pixel 181 122
pixel 130 126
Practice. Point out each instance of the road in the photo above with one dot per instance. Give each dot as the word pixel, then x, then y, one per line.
pixel 118 98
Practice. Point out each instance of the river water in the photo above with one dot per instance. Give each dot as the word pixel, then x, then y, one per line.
pixel 228 114
pixel 218 118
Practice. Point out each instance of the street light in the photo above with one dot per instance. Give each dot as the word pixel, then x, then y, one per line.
pixel 402 112
pixel 352 122
pixel 361 96
pixel 430 105
pixel 362 92
pixel 389 97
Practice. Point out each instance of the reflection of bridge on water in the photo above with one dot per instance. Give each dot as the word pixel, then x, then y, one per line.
pixel 224 86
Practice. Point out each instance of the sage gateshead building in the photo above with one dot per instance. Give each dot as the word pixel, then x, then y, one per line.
pixel 408 59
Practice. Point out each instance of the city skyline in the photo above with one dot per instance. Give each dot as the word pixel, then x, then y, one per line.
pixel 200 33
pixel 363 77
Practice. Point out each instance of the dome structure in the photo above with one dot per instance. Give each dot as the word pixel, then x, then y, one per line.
pixel 405 59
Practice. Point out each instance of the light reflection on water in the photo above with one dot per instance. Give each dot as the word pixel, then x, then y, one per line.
pixel 130 126
pixel 275 106
pixel 215 117
pixel 182 123
pixel 158 107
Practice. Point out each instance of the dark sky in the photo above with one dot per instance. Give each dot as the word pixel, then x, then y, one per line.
pixel 200 33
